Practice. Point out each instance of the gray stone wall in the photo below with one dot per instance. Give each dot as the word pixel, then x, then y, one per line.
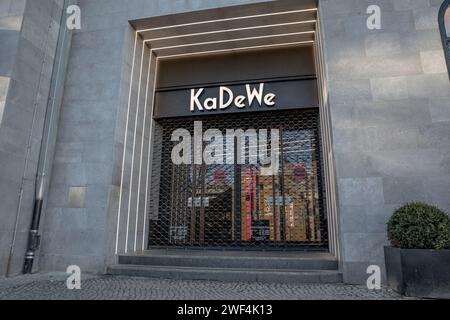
pixel 11 18
pixel 28 37
pixel 89 150
pixel 389 98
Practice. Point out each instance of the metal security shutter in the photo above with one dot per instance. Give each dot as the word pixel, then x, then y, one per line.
pixel 233 205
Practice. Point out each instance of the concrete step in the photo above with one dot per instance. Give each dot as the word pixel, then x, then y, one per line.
pixel 240 260
pixel 227 274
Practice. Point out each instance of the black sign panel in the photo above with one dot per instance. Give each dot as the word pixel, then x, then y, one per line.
pixel 261 230
pixel 235 98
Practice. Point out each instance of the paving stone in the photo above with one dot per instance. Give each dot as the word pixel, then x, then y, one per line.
pixel 52 286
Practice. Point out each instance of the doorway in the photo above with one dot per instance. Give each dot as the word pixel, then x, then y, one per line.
pixel 235 205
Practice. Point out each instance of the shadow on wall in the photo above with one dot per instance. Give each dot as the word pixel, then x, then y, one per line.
pixel 447 20
pixel 444 24
pixel 9 38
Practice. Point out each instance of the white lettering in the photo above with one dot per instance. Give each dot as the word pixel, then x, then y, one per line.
pixel 73 21
pixel 238 146
pixel 181 153
pixel 239 102
pixel 211 104
pixel 194 311
pixel 198 142
pixel 74 280
pixel 194 99
pixel 374 20
pixel 251 95
pixel 374 280
pixel 213 153
pixel 268 100
pixel 254 96
pixel 223 104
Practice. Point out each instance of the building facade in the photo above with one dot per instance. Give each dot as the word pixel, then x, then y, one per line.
pixel 110 126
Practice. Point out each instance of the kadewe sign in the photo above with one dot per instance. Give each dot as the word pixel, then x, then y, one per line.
pixel 227 99
pixel 245 97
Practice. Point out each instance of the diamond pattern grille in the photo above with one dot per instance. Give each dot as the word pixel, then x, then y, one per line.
pixel 234 205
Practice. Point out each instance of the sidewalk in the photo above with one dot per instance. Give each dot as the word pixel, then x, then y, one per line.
pixel 51 286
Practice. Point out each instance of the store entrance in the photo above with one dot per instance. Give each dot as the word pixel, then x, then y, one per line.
pixel 238 205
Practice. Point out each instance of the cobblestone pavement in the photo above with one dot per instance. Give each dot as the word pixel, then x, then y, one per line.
pixel 52 286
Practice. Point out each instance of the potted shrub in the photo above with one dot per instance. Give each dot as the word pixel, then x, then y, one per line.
pixel 418 260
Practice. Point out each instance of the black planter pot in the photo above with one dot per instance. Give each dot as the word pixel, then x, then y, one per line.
pixel 418 272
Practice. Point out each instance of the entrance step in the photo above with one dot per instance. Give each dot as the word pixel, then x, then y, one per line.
pixel 257 266
pixel 227 274
pixel 231 259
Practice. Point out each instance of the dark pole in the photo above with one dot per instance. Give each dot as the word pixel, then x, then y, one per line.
pixel 48 140
pixel 34 238
pixel 282 187
pixel 237 182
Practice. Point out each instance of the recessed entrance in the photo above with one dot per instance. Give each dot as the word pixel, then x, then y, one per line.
pixel 255 66
pixel 240 205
